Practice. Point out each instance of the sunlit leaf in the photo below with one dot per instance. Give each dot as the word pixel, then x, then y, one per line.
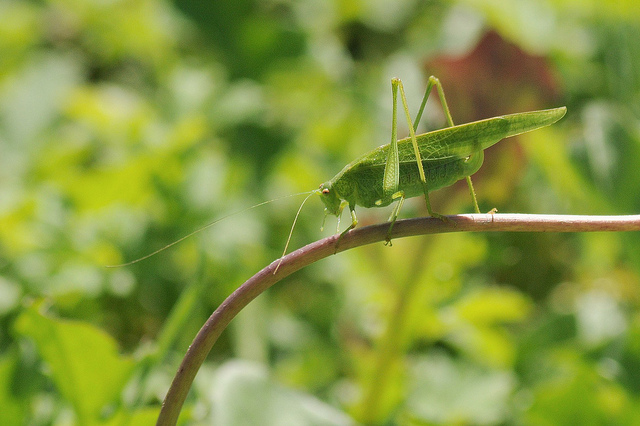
pixel 83 361
pixel 12 410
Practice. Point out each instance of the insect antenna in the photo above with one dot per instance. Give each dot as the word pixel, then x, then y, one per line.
pixel 210 224
pixel 295 220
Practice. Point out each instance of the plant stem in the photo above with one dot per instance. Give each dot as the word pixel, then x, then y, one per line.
pixel 218 321
pixel 390 345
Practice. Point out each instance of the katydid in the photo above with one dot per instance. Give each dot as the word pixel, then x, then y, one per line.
pixel 411 166
pixel 421 163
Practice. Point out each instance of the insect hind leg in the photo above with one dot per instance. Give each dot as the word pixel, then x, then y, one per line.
pixel 412 131
pixel 473 195
pixel 394 216
pixel 434 81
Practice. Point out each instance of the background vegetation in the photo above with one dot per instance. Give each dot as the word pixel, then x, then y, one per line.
pixel 126 124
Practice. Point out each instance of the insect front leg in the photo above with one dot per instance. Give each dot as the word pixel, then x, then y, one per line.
pixel 354 223
pixel 354 219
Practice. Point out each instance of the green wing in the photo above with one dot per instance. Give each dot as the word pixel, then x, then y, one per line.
pixel 465 139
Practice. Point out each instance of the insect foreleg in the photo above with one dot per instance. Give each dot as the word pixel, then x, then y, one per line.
pixel 354 219
pixel 354 222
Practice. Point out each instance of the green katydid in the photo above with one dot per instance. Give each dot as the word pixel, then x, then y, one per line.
pixel 411 166
pixel 421 163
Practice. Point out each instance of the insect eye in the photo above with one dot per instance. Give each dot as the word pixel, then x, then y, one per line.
pixel 325 191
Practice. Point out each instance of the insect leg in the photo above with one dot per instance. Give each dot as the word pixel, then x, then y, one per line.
pixel 343 204
pixel 416 149
pixel 394 216
pixel 473 195
pixel 433 81
pixel 391 178
pixel 354 222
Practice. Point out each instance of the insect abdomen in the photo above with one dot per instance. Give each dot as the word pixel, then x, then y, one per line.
pixel 363 185
pixel 438 173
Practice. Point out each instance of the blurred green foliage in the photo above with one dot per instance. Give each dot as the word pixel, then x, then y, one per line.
pixel 125 125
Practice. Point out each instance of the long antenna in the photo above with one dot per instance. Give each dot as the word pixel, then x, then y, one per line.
pixel 210 225
pixel 295 220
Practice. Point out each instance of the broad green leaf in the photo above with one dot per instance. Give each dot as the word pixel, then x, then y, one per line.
pixel 489 306
pixel 83 361
pixel 143 416
pixel 11 411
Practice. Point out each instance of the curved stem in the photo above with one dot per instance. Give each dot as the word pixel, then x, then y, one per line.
pixel 218 321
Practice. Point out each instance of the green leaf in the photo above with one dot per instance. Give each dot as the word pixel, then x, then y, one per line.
pixel 11 412
pixel 142 416
pixel 489 306
pixel 83 361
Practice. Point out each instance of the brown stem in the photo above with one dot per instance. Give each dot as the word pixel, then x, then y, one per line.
pixel 218 321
